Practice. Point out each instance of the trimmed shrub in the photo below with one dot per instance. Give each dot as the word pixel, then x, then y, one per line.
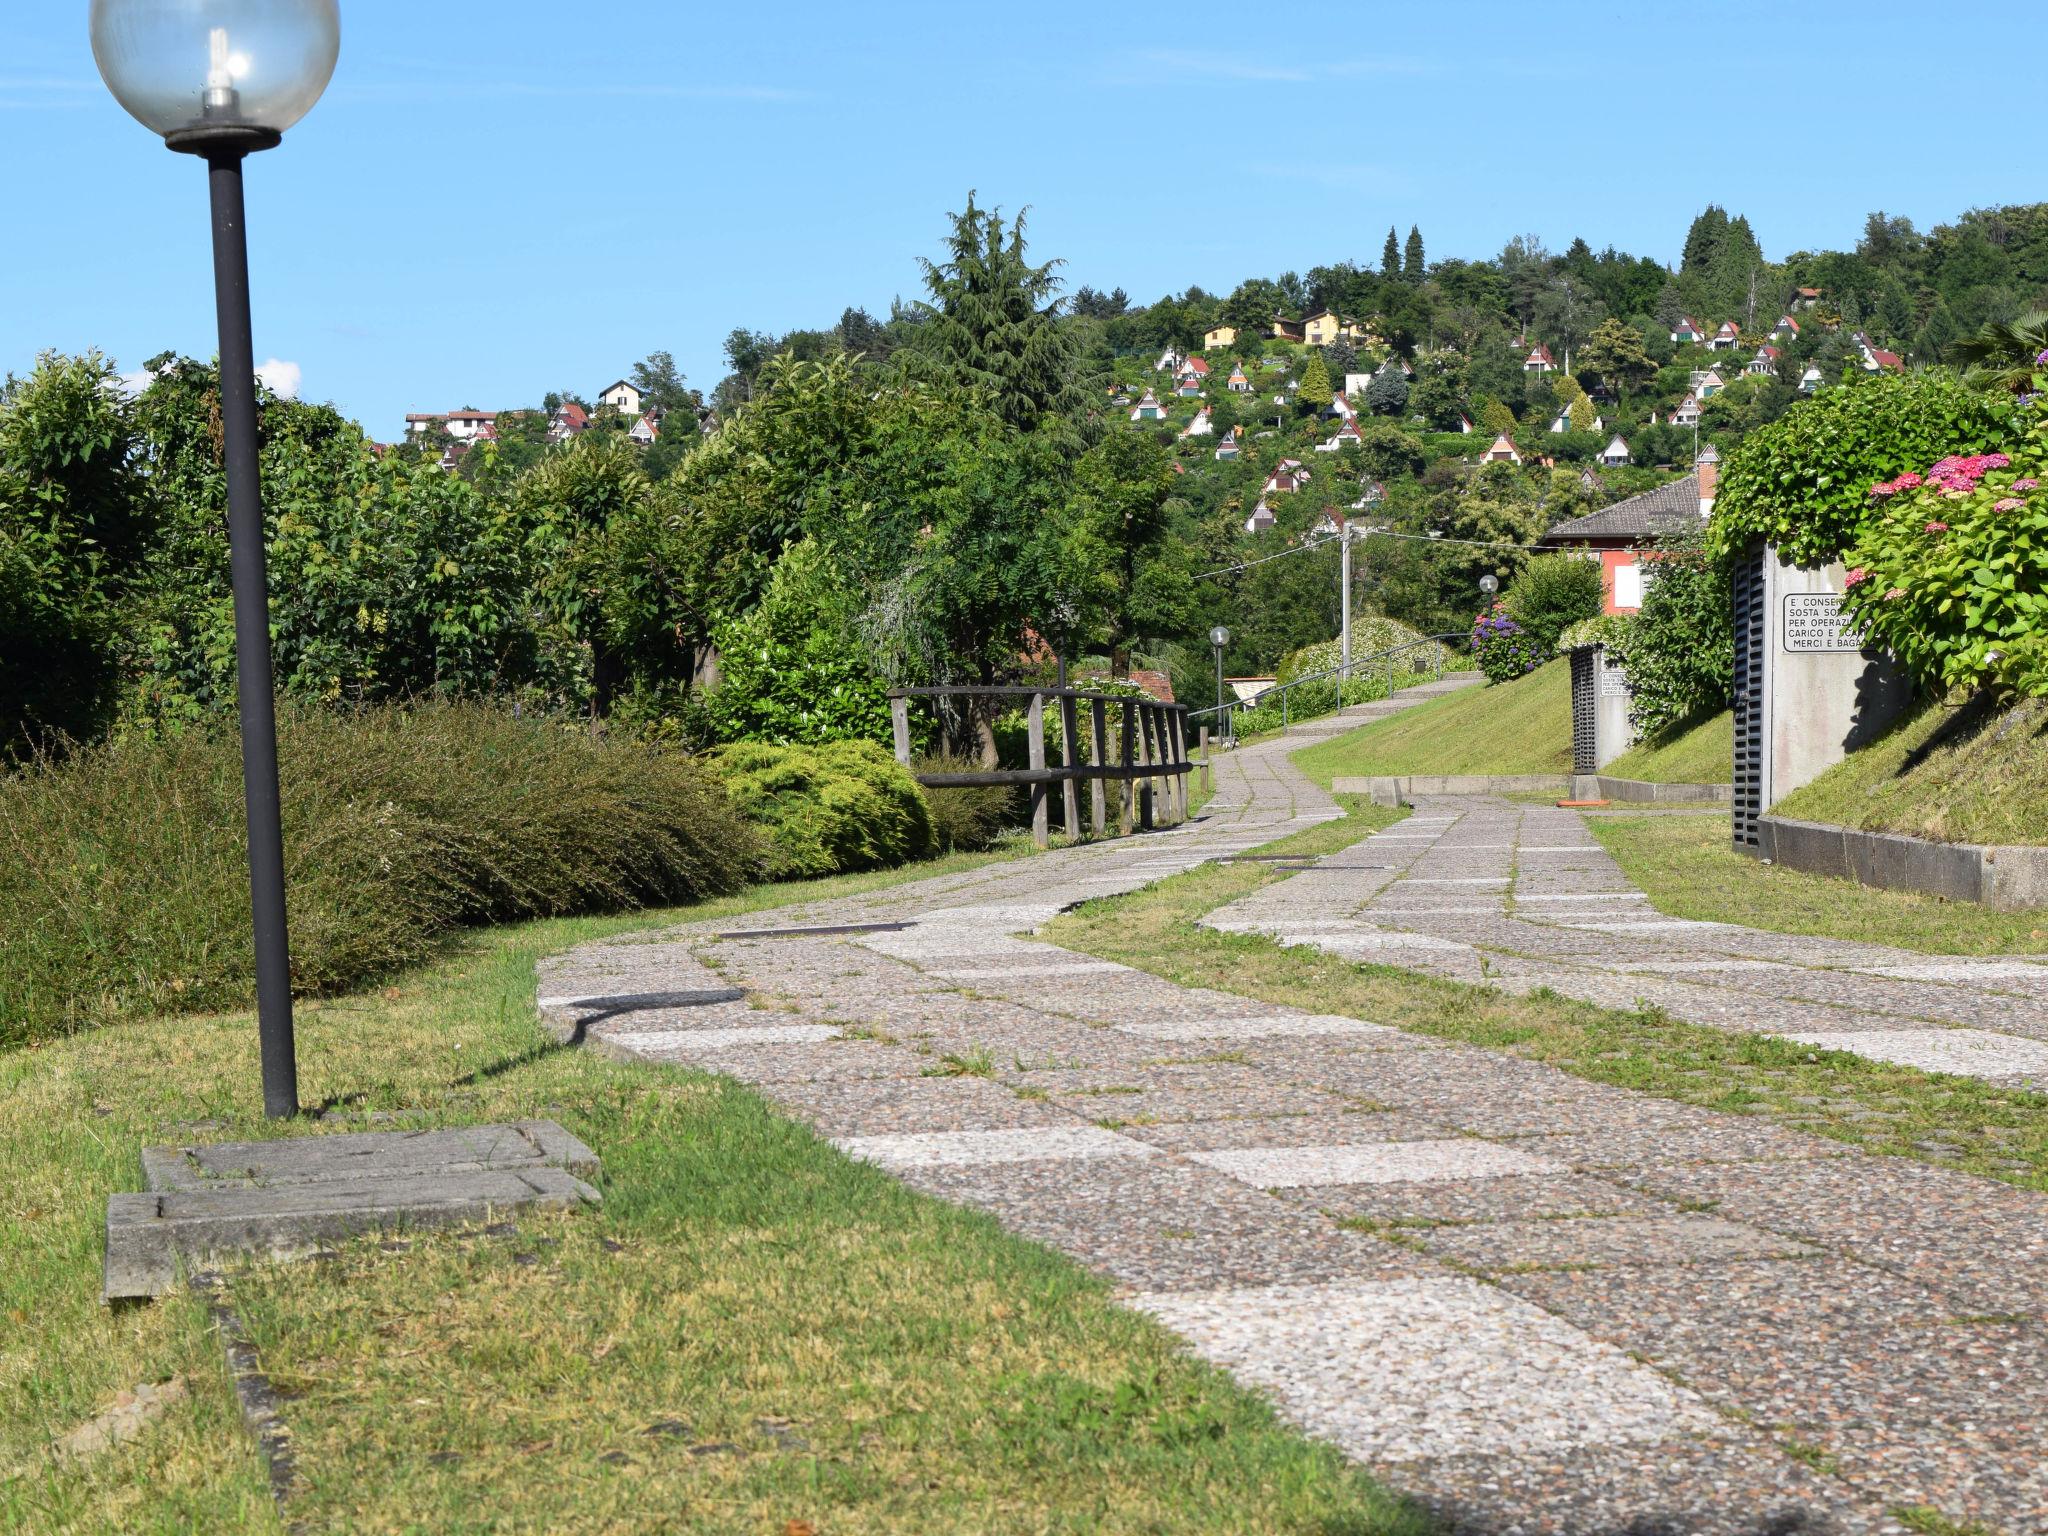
pixel 123 869
pixel 1370 635
pixel 828 809
pixel 1551 592
pixel 966 820
pixel 1680 651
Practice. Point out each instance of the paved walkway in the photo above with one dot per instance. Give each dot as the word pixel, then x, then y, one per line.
pixel 1588 1311
pixel 1521 897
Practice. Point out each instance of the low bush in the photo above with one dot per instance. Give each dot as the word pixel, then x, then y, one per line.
pixel 966 820
pixel 828 809
pixel 1502 648
pixel 1552 592
pixel 1680 650
pixel 1371 635
pixel 123 869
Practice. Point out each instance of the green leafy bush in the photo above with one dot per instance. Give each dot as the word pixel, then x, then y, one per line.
pixel 968 819
pixel 1551 592
pixel 1680 650
pixel 1370 636
pixel 1609 629
pixel 1951 575
pixel 123 882
pixel 828 809
pixel 1803 482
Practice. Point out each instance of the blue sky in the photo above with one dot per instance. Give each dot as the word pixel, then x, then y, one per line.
pixel 499 199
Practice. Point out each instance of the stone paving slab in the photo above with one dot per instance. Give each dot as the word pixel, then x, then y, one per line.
pixel 1599 1242
pixel 1389 1162
pixel 953 1148
pixel 1412 1369
pixel 517 1145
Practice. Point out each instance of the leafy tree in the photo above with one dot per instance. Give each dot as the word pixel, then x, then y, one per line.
pixel 1390 255
pixel 1614 352
pixel 71 533
pixel 1387 394
pixel 993 319
pixel 1316 391
pixel 1412 267
pixel 1341 357
pixel 1551 592
pixel 1496 418
pixel 1137 582
pixel 1385 452
pixel 662 387
pixel 862 335
pixel 1438 392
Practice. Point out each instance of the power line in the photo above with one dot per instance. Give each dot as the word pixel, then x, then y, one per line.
pixel 1377 533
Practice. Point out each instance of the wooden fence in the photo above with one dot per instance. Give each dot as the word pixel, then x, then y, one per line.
pixel 1149 763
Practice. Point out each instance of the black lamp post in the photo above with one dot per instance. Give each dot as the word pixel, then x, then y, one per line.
pixel 1219 637
pixel 223 79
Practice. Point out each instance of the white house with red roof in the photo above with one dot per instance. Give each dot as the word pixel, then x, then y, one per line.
pixel 1465 424
pixel 566 420
pixel 1708 384
pixel 1197 366
pixel 1686 413
pixel 1261 519
pixel 1765 361
pixel 1687 331
pixel 1148 408
pixel 1347 432
pixel 1188 387
pixel 464 426
pixel 1228 448
pixel 1168 361
pixel 646 429
pixel 1539 361
pixel 1787 329
pixel 1288 475
pixel 1503 451
pixel 1616 453
pixel 1726 339
pixel 1238 383
pixel 1875 358
pixel 1201 426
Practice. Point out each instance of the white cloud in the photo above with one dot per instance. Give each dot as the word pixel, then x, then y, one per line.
pixel 281 378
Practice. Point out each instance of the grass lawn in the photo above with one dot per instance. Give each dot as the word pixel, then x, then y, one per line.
pixel 1960 773
pixel 1519 727
pixel 1953 1121
pixel 1700 753
pixel 754 1334
pixel 1687 868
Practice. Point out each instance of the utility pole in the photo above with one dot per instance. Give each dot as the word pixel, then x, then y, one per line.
pixel 1344 676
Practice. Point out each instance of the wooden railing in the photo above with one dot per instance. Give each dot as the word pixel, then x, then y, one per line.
pixel 1149 764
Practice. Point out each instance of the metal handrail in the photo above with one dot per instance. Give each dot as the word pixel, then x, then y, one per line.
pixel 1340 672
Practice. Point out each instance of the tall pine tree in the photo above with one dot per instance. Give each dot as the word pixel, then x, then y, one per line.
pixel 992 319
pixel 1411 260
pixel 1390 255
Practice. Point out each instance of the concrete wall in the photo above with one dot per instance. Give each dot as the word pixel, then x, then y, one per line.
pixel 1823 694
pixel 1401 789
pixel 2008 878
pixel 1598 786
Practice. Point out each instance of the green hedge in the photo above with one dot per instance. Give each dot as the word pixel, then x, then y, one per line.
pixel 845 805
pixel 123 880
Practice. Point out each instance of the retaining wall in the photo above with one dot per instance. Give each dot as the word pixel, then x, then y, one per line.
pixel 2008 878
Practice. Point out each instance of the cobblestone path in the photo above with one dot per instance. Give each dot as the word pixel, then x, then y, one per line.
pixel 1608 1313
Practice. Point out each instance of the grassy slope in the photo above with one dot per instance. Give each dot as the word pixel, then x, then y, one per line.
pixel 1686 866
pixel 1703 753
pixel 1519 727
pixel 813 1342
pixel 1970 774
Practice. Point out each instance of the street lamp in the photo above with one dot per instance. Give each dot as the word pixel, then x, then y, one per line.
pixel 224 79
pixel 1219 637
pixel 1489 584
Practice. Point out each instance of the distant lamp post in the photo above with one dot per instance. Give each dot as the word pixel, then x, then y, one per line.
pixel 1489 584
pixel 224 79
pixel 1219 637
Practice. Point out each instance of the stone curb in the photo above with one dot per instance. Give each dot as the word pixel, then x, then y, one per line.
pixel 1402 788
pixel 2009 878
pixel 1598 786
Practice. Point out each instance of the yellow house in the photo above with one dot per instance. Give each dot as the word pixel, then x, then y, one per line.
pixel 1322 328
pixel 1219 336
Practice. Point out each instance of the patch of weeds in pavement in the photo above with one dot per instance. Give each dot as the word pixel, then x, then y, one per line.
pixel 1687 869
pixel 1817 1457
pixel 975 1062
pixel 1929 1521
pixel 1995 1131
pixel 622 1369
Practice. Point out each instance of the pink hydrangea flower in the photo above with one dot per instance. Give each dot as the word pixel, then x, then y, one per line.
pixel 1907 482
pixel 1937 527
pixel 1859 574
pixel 2007 504
pixel 1894 594
pixel 2026 483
